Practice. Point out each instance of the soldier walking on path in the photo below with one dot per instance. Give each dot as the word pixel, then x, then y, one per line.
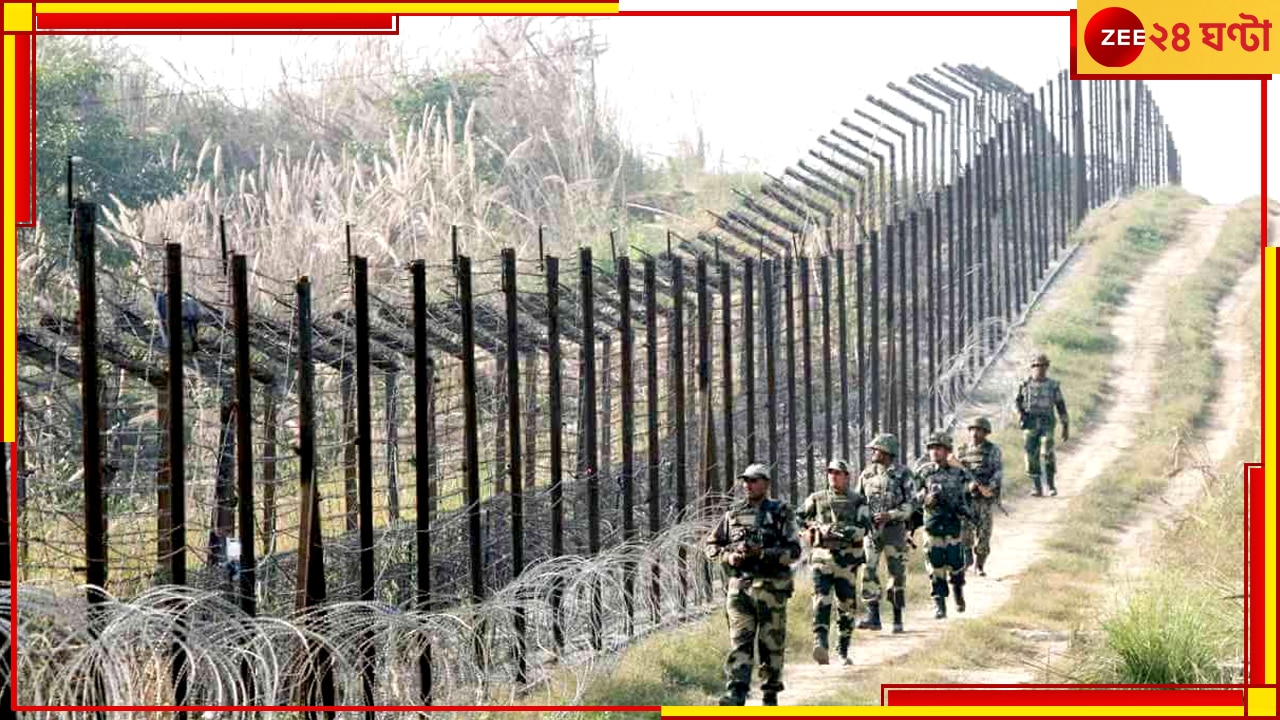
pixel 835 521
pixel 1038 397
pixel 944 492
pixel 983 459
pixel 757 542
pixel 889 488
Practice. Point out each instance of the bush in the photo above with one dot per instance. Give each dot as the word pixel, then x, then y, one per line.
pixel 1172 635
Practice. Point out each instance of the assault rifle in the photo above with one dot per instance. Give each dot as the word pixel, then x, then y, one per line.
pixel 826 535
pixel 996 497
pixel 747 542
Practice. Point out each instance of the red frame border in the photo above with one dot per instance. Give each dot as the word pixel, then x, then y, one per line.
pixel 167 24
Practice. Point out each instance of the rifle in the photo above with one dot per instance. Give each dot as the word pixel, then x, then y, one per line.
pixel 748 542
pixel 826 536
pixel 995 497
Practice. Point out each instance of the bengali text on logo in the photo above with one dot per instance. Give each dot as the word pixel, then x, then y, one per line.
pixel 1115 37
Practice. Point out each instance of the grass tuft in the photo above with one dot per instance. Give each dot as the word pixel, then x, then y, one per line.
pixel 1171 633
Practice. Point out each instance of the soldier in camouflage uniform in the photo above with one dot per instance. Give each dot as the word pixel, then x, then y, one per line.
pixel 889 488
pixel 757 542
pixel 834 522
pixel 1038 397
pixel 944 493
pixel 984 460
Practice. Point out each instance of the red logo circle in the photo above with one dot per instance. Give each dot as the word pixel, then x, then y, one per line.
pixel 1111 39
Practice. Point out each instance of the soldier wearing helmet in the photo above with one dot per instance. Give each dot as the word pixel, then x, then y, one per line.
pixel 1038 397
pixel 756 540
pixel 983 459
pixel 889 488
pixel 835 521
pixel 944 492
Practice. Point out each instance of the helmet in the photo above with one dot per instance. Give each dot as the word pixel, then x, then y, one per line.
pixel 981 423
pixel 755 471
pixel 838 466
pixel 1040 359
pixel 885 442
pixel 939 438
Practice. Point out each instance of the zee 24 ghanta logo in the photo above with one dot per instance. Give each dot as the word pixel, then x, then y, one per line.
pixel 1115 37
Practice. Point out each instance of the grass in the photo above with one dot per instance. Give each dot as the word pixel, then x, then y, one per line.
pixel 1120 241
pixel 680 668
pixel 1171 633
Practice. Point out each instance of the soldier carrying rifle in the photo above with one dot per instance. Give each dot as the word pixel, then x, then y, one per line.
pixel 889 488
pixel 1038 397
pixel 944 493
pixel 983 458
pixel 835 521
pixel 757 542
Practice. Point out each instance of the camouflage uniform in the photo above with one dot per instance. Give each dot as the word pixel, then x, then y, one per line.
pixel 1036 402
pixel 758 590
pixel 986 463
pixel 888 489
pixel 944 492
pixel 840 521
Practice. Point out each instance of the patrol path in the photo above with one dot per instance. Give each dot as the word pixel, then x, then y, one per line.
pixel 1231 412
pixel 1034 520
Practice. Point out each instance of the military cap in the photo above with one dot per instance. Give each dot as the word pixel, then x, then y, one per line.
pixel 839 466
pixel 1040 359
pixel 981 423
pixel 885 442
pixel 939 438
pixel 755 471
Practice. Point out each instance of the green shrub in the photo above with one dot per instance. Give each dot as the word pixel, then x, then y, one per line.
pixel 1171 634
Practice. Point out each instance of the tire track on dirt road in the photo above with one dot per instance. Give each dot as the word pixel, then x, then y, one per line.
pixel 1230 413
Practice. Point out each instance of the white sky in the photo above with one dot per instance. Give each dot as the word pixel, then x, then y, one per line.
pixel 764 88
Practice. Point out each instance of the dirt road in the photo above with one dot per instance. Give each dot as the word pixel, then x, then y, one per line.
pixel 1080 461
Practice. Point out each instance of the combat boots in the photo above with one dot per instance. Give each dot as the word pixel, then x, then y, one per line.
pixel 1053 490
pixel 872 620
pixel 940 598
pixel 842 649
pixel 958 592
pixel 820 654
pixel 769 699
pixel 899 600
pixel 940 612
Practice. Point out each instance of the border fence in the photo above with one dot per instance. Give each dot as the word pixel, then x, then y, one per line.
pixel 473 478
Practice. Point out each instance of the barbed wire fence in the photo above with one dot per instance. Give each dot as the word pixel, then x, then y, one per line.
pixel 472 480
